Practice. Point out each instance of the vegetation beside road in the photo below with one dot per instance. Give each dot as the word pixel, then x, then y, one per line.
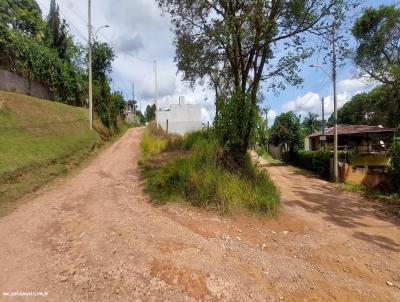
pixel 40 140
pixel 189 169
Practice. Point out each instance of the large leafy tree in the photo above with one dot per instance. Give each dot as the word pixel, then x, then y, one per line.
pixel 236 45
pixel 287 131
pixel 150 112
pixel 22 15
pixel 377 32
pixel 106 104
pixel 311 123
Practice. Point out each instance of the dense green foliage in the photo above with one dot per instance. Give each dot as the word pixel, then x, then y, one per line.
pixel 22 15
pixel 55 35
pixel 316 161
pixel 395 159
pixel 45 52
pixel 371 108
pixel 32 59
pixel 260 136
pixel 199 179
pixel 150 113
pixel 377 32
pixel 311 123
pixel 230 126
pixel 287 131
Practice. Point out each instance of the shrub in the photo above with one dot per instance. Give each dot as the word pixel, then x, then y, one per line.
pixel 316 161
pixel 202 181
pixel 395 161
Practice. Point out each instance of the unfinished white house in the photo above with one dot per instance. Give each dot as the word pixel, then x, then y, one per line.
pixel 180 118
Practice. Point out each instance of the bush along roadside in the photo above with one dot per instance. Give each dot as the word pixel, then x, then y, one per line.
pixel 188 169
pixel 316 161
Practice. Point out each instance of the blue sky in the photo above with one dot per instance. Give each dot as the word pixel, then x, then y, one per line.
pixel 317 85
pixel 139 33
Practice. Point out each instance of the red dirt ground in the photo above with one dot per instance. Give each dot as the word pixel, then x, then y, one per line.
pixel 97 237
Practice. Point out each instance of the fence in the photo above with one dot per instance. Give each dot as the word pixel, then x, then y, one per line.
pixel 275 151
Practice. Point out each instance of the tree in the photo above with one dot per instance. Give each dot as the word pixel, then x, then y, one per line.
pixel 102 58
pixel 235 45
pixel 261 132
pixel 311 123
pixel 22 15
pixel 377 33
pixel 395 160
pixel 140 117
pixel 150 112
pixel 287 131
pixel 371 108
pixel 56 35
pixel 103 100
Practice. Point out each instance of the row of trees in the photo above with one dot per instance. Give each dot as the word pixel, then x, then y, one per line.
pixel 43 50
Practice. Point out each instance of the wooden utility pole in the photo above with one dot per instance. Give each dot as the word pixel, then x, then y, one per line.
pixel 90 64
pixel 335 139
pixel 323 116
pixel 155 90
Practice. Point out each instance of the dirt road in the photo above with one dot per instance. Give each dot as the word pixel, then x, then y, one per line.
pixel 96 237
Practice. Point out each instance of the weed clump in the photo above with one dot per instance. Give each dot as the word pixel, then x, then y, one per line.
pixel 202 180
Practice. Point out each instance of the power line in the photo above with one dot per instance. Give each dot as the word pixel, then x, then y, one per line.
pixel 64 17
pixel 110 42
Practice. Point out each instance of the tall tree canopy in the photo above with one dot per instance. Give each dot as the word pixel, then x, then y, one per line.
pixel 22 15
pixel 287 131
pixel 56 35
pixel 311 123
pixel 150 112
pixel 235 45
pixel 380 106
pixel 377 32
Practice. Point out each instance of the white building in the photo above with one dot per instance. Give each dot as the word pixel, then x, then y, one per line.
pixel 180 118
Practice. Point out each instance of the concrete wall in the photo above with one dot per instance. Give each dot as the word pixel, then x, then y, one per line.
pixel 364 176
pixel 370 160
pixel 15 83
pixel 182 118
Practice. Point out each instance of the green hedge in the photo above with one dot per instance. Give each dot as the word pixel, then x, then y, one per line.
pixel 395 160
pixel 316 161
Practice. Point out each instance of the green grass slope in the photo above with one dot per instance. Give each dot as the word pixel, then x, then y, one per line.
pixel 39 140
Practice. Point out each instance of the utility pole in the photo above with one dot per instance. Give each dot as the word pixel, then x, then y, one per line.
pixel 90 64
pixel 335 139
pixel 155 90
pixel 323 123
pixel 133 99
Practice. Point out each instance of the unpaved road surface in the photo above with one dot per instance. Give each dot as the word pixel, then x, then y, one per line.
pixel 97 237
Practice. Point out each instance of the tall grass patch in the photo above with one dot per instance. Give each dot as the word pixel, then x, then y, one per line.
pixel 198 178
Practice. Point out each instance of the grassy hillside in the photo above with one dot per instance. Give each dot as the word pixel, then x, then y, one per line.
pixel 39 140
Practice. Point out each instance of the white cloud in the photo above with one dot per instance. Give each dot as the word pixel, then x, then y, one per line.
pixel 271 117
pixel 311 101
pixel 303 104
pixel 137 31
